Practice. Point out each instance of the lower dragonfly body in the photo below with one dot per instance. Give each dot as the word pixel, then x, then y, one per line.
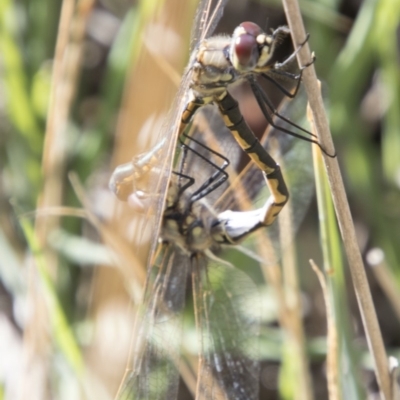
pixel 227 366
pixel 195 227
pixel 191 235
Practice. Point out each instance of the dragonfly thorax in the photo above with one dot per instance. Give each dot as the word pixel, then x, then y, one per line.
pixel 189 227
pixel 211 70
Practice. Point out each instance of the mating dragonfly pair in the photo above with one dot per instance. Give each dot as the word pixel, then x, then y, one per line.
pixel 192 199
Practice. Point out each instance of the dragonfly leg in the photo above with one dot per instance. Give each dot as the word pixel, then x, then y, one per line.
pixel 279 70
pixel 234 120
pixel 288 60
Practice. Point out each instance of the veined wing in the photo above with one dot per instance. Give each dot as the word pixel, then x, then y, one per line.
pixel 227 317
pixel 226 302
pixel 227 311
pixel 155 374
pixel 208 15
pixel 226 365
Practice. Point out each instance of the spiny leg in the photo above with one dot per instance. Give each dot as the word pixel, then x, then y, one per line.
pixel 268 110
pixel 292 56
pixel 269 76
pixel 235 122
pixel 279 69
pixel 217 178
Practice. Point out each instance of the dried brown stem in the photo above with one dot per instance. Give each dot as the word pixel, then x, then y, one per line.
pixel 332 360
pixel 342 209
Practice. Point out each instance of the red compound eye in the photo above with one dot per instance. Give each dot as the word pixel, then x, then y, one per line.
pixel 246 49
pixel 251 28
pixel 246 46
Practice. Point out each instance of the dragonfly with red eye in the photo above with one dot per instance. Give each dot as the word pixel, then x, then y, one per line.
pixel 204 214
pixel 215 65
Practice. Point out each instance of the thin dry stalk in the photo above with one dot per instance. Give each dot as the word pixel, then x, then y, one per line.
pixel 36 341
pixel 342 209
pixel 332 358
pixel 295 326
pixel 67 66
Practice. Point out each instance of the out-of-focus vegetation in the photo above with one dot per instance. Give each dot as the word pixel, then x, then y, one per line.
pixel 84 86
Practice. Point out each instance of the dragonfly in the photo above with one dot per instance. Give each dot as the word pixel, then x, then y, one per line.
pixel 196 227
pixel 216 64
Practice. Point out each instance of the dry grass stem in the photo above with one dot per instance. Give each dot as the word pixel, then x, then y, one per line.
pixel 346 226
pixel 63 85
pixel 332 359
pixel 293 303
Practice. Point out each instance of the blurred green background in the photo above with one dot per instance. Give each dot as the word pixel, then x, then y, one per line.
pixel 83 85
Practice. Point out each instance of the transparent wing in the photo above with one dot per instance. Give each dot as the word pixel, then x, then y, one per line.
pixel 155 375
pixel 154 184
pixel 156 350
pixel 144 180
pixel 208 14
pixel 227 315
pixel 168 138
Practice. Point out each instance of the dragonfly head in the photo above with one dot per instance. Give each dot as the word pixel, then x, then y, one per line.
pixel 251 48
